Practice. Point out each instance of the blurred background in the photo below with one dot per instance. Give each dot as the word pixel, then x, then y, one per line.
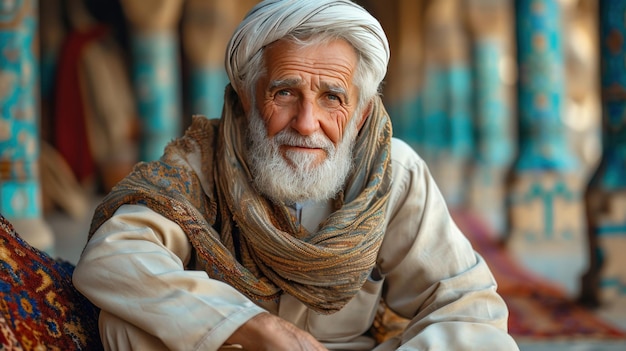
pixel 518 108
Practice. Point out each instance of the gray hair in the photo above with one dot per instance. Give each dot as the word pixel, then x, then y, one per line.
pixel 308 22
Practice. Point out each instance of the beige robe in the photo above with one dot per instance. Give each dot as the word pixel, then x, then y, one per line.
pixel 137 268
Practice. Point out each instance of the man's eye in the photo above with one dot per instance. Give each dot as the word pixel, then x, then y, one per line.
pixel 284 96
pixel 333 100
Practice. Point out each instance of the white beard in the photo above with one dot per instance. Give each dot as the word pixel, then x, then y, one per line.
pixel 297 179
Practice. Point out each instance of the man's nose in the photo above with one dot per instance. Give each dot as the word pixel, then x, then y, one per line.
pixel 306 120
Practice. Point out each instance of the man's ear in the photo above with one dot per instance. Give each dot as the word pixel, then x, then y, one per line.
pixel 245 102
pixel 366 112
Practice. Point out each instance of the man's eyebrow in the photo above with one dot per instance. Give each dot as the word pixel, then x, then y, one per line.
pixel 333 88
pixel 285 83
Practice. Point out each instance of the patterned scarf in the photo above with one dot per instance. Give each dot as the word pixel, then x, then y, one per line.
pixel 202 183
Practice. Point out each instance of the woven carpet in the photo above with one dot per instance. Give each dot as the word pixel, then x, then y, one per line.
pixel 539 309
pixel 39 307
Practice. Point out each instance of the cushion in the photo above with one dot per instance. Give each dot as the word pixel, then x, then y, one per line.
pixel 39 307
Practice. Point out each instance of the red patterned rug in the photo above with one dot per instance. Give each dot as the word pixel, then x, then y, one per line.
pixel 39 307
pixel 539 309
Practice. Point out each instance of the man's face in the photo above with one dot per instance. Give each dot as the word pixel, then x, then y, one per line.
pixel 303 121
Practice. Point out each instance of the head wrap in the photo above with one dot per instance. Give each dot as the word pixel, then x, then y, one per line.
pixel 272 20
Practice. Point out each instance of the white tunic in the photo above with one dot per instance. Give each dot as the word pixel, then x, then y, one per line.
pixel 136 268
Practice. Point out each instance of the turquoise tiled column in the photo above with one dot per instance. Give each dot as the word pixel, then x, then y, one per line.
pixel 544 192
pixel 493 117
pixel 605 281
pixel 461 129
pixel 495 141
pixel 156 77
pixel 447 128
pixel 20 188
pixel 460 111
pixel 406 116
pixel 435 134
pixel 156 72
pixel 405 79
pixel 206 90
pixel 206 28
pixel 542 140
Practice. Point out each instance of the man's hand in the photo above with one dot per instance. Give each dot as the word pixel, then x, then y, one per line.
pixel 268 332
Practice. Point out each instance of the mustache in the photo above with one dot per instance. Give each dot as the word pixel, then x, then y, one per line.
pixel 291 138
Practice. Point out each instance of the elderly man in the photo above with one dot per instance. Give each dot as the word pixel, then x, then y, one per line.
pixel 282 225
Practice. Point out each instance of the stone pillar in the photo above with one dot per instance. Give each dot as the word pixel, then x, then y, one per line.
pixel 544 191
pixel 20 188
pixel 493 71
pixel 155 72
pixel 207 27
pixel 433 132
pixel 605 281
pixel 410 68
pixel 446 103
pixel 402 21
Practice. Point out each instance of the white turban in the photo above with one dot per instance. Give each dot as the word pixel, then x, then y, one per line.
pixel 272 20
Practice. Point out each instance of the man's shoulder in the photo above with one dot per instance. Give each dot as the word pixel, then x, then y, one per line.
pixel 201 122
pixel 202 131
pixel 402 154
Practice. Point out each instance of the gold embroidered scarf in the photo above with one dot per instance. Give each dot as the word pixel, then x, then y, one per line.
pixel 203 184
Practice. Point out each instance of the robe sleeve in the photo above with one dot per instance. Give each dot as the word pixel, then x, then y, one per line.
pixel 432 274
pixel 134 268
